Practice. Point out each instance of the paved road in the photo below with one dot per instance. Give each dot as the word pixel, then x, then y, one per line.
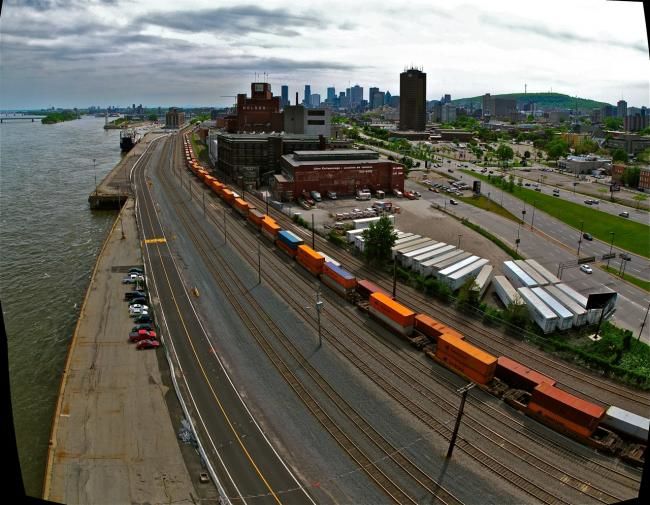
pixel 554 243
pixel 243 458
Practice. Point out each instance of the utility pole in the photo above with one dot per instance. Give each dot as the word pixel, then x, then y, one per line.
pixel 532 221
pixel 643 323
pixel 582 225
pixel 464 390
pixel 319 307
pixel 459 241
pixel 394 277
pixel 611 246
pixel 225 231
pixel 313 233
pixel 259 260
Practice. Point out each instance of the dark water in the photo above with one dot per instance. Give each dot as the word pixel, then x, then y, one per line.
pixel 49 240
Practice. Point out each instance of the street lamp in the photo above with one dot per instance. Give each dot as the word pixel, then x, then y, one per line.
pixel 611 246
pixel 319 307
pixel 459 241
pixel 582 224
pixel 532 220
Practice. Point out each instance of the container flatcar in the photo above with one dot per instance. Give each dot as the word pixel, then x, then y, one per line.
pixel 312 261
pixel 339 279
pixel 466 359
pixel 519 376
pixel 432 329
pixel 393 314
pixel 365 288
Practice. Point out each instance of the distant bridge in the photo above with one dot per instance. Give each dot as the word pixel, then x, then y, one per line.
pixel 19 117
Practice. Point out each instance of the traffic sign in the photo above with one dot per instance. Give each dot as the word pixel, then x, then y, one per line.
pixel 588 259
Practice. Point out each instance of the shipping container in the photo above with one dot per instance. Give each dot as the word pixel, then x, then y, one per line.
pixel 539 279
pixel 506 292
pixel 289 250
pixel 409 246
pixel 433 329
pixel 627 423
pixel 459 277
pixel 351 234
pixel 552 279
pixel 359 243
pixel 579 314
pixel 447 261
pixel 256 217
pixel 310 259
pixel 559 408
pixel 405 238
pixel 483 280
pixel 407 258
pixel 338 278
pixel 415 247
pixel 455 267
pixel 329 259
pixel 365 288
pixel 241 206
pixel 593 315
pixel 519 376
pixel 517 276
pixel 469 360
pixel 565 316
pixel 227 195
pixel 270 228
pixel 216 186
pixel 392 313
pixel 365 222
pixel 441 254
pixel 290 239
pixel 545 318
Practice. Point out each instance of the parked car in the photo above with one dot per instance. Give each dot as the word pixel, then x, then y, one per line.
pixel 133 278
pixel 453 202
pixel 142 326
pixel 136 336
pixel 331 195
pixel 143 318
pixel 588 202
pixel 625 256
pixel 555 190
pixel 587 236
pixel 556 194
pixel 417 194
pixel 147 344
pixel 316 196
pixel 398 193
pixel 138 310
pixel 624 214
pixel 450 171
pixel 595 202
pixel 410 195
pixel 538 189
pixel 136 270
pixel 586 269
pixel 140 300
pixel 130 295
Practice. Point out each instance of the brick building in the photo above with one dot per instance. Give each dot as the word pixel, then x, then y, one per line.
pixel 644 180
pixel 259 113
pixel 343 170
pixel 174 118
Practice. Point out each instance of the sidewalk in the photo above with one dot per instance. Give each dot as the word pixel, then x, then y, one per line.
pixel 112 437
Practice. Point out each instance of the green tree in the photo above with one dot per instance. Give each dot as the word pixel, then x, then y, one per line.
pixel 613 123
pixel 557 148
pixel 639 199
pixel 504 153
pixel 527 154
pixel 619 155
pixel 152 117
pixel 586 146
pixel 468 295
pixel 379 238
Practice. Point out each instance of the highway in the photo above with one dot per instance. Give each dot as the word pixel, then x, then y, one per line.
pixel 247 465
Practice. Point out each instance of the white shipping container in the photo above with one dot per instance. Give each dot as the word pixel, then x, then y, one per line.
pixel 424 266
pixel 405 238
pixel 506 292
pixel 627 422
pixel 517 276
pixel 416 247
pixel 531 272
pixel 407 258
pixel 538 310
pixel 552 279
pixel 441 264
pixel 565 316
pixel 593 315
pixel 437 253
pixel 350 234
pixel 456 266
pixel 409 246
pixel 365 222
pixel 483 280
pixel 579 313
pixel 459 277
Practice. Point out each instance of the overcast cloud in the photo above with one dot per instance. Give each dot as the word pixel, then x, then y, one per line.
pixel 69 53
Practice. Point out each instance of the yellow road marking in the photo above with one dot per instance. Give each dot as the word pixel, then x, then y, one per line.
pixel 155 240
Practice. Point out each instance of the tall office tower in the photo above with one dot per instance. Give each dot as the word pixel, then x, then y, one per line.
pixel 314 100
pixel 356 95
pixel 377 100
pixel 331 95
pixel 387 98
pixel 413 100
pixel 621 109
pixel 343 100
pixel 285 95
pixel 371 95
pixel 306 101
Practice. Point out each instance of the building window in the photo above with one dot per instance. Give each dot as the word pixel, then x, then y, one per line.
pixel 316 112
pixel 316 121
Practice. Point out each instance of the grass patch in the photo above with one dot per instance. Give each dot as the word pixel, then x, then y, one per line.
pixel 200 149
pixel 511 252
pixel 483 202
pixel 645 285
pixel 630 235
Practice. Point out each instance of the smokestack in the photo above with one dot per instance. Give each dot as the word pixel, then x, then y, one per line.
pixel 296 98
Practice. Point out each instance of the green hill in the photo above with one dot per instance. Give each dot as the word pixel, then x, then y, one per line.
pixel 541 101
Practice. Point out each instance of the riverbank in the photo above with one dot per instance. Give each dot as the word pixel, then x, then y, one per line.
pixel 59 117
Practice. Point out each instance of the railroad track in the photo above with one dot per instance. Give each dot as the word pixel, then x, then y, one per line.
pixel 427 305
pixel 218 266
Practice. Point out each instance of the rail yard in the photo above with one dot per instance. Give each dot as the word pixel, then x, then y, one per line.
pixel 365 347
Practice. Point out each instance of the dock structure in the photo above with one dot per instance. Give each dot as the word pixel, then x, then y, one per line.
pixel 113 191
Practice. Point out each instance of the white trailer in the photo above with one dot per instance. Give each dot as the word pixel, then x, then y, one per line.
pixel 445 251
pixel 593 315
pixel 552 279
pixel 367 221
pixel 454 267
pixel 579 313
pixel 405 238
pixel 517 276
pixel 432 253
pixel 407 258
pixel 627 423
pixel 359 243
pixel 506 292
pixel 483 280
pixel 531 272
pixel 351 234
pixel 443 263
pixel 538 310
pixel 565 316
pixel 459 277
pixel 411 246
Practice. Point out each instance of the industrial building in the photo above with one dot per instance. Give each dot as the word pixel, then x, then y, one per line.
pixel 259 113
pixel 304 121
pixel 343 171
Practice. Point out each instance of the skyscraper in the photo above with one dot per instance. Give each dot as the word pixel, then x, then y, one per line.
pixel 371 96
pixel 307 100
pixel 621 109
pixel 413 100
pixel 285 95
pixel 331 94
pixel 356 95
pixel 314 100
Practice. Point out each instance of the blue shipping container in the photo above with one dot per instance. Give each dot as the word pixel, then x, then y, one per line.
pixel 343 273
pixel 289 239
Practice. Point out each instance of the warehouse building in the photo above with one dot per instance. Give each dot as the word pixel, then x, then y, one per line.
pixel 343 171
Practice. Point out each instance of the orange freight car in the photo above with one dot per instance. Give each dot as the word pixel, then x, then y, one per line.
pixel 365 288
pixel 270 228
pixel 463 357
pixel 241 206
pixel 393 314
pixel 562 410
pixel 310 259
pixel 256 217
pixel 341 277
pixel 519 376
pixel 228 195
pixel 286 248
pixel 433 329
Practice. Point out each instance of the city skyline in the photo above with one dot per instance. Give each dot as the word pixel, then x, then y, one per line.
pixel 67 54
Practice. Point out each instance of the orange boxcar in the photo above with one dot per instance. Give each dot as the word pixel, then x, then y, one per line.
pixel 216 186
pixel 310 259
pixel 519 376
pixel 228 195
pixel 390 308
pixel 241 206
pixel 476 364
pixel 559 408
pixel 286 248
pixel 256 217
pixel 433 329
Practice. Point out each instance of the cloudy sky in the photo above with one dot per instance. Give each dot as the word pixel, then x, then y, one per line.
pixel 67 53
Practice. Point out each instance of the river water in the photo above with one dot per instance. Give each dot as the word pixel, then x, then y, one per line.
pixel 49 240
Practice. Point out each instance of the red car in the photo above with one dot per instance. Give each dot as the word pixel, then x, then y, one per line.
pixel 410 195
pixel 137 336
pixel 147 344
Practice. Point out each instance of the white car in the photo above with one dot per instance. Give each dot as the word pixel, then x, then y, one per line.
pixel 138 308
pixel 586 269
pixel 133 278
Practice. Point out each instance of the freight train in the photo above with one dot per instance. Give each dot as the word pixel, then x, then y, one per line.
pixel 612 430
